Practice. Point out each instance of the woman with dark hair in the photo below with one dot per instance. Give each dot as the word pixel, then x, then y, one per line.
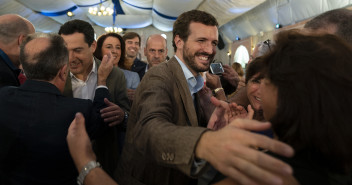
pixel 247 103
pixel 113 42
pixel 306 95
pixel 251 95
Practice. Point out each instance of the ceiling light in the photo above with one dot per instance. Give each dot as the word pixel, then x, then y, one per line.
pixel 70 14
pixel 113 29
pixel 101 10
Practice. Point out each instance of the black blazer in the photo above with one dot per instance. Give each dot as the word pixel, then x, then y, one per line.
pixel 33 128
pixel 7 75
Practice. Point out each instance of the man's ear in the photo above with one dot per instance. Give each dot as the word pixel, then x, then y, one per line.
pixel 63 73
pixel 178 42
pixel 93 46
pixel 20 39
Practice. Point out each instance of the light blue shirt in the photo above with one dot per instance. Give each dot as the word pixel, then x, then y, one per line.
pixel 132 79
pixel 195 84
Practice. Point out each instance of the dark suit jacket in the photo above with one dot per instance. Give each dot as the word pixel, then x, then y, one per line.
pixel 162 131
pixel 33 127
pixel 106 147
pixel 8 76
pixel 139 67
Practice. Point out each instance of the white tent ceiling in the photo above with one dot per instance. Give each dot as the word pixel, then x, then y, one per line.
pixel 265 16
pixel 48 15
pixel 237 18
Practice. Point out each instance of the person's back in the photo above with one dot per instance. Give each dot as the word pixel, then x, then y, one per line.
pixel 35 117
pixel 36 151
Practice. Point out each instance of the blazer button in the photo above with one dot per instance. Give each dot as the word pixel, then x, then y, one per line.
pixel 172 156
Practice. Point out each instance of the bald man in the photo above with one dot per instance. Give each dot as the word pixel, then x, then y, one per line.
pixel 155 50
pixel 13 30
pixel 35 116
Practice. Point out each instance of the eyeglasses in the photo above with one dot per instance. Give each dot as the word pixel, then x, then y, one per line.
pixel 267 42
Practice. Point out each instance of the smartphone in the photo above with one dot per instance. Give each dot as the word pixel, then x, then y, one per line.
pixel 216 68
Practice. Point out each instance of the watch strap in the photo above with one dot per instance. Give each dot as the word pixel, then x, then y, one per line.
pixel 85 170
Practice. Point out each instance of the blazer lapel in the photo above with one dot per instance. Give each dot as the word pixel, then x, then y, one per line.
pixel 68 87
pixel 183 89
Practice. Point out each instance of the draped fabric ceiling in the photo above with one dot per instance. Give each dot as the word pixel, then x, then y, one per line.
pixel 49 15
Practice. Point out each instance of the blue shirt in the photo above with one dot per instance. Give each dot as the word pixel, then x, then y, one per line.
pixel 195 84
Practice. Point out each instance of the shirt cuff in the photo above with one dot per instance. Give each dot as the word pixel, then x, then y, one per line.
pixel 197 166
pixel 102 86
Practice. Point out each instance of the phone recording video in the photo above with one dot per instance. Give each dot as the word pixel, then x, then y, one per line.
pixel 216 68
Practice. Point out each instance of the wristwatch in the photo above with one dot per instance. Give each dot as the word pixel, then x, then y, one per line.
pixel 217 90
pixel 85 170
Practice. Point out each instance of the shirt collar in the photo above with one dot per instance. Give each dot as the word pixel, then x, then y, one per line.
pixel 94 71
pixel 146 67
pixel 195 84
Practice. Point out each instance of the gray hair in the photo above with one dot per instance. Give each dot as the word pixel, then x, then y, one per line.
pixel 44 64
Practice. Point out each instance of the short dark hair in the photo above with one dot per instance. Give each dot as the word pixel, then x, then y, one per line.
pixel 341 18
pixel 131 35
pixel 80 26
pixel 100 42
pixel 45 64
pixel 313 77
pixel 254 68
pixel 181 25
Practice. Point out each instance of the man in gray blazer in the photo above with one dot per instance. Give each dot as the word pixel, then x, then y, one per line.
pixel 82 79
pixel 167 141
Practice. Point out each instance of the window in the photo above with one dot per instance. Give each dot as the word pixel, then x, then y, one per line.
pixel 241 56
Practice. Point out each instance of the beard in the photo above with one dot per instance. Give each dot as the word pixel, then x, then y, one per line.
pixel 190 60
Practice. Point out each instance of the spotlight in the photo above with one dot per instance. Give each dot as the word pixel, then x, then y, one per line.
pixel 277 26
pixel 70 14
pixel 163 35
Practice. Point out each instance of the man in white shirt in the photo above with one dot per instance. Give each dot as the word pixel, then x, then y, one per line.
pixel 82 82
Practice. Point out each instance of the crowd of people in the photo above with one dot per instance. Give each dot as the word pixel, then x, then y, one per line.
pixel 79 110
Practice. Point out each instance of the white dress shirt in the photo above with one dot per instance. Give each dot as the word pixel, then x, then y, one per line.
pixel 85 89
